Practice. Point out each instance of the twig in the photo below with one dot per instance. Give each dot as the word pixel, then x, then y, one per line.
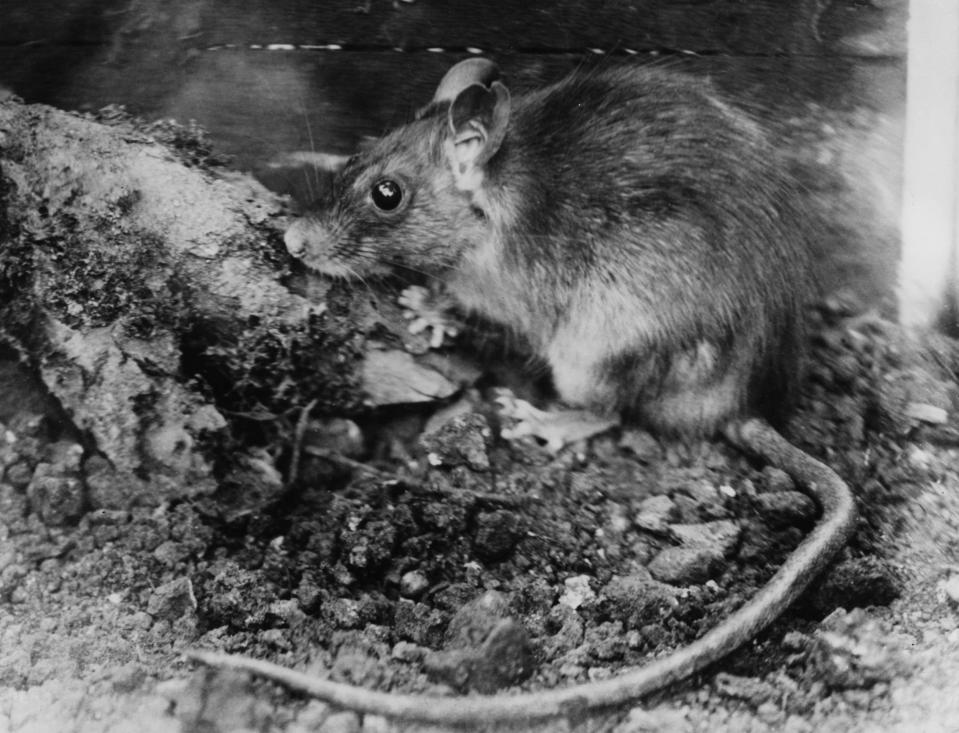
pixel 301 424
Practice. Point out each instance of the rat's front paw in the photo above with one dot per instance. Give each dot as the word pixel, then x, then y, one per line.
pixel 427 310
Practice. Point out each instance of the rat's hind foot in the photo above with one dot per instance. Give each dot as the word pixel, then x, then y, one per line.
pixel 425 309
pixel 557 428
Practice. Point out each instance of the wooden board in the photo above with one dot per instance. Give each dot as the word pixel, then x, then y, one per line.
pixel 757 27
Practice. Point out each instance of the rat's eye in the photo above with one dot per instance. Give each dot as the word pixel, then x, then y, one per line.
pixel 386 194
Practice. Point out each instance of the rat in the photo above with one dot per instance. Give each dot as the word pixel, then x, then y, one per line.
pixel 639 234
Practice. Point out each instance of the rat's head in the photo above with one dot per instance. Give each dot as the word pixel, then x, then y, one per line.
pixel 413 199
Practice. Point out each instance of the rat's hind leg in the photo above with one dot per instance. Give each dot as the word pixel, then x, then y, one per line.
pixel 580 381
pixel 699 409
pixel 699 390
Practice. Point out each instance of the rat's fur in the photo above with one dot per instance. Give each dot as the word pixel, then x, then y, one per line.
pixel 637 231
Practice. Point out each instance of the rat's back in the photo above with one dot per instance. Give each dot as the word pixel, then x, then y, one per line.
pixel 671 241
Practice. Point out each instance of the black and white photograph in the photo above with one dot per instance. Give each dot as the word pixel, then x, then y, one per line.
pixel 423 366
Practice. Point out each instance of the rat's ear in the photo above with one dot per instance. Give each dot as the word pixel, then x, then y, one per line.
pixel 464 74
pixel 478 118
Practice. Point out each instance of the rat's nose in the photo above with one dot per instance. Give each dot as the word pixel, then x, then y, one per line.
pixel 295 238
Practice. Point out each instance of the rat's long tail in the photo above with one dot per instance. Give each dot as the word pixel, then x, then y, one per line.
pixel 754 436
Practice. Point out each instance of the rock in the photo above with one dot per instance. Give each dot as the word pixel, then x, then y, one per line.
pixel 606 642
pixel 577 591
pixel 335 434
pixel 418 623
pixel 750 689
pixel 949 588
pixel 923 412
pixel 57 499
pixel 861 581
pixel 655 514
pixel 172 600
pixel 345 721
pixel 643 445
pixel 497 533
pixel 235 596
pixel 377 724
pixel 13 502
pixel 638 599
pixel 722 535
pixel 460 442
pixel 310 595
pixel 658 720
pixel 344 613
pixel 370 546
pixel 486 650
pixel 407 652
pixel 105 489
pixel 698 498
pixel 504 658
pixel 686 565
pixel 394 377
pixel 786 508
pixel 288 611
pixel 474 620
pixel 569 634
pixel 18 474
pixel 413 583
pixel 170 553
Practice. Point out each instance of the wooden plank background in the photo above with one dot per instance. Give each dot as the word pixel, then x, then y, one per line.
pixel 827 77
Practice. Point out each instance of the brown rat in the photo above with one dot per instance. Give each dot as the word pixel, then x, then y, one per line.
pixel 632 227
pixel 639 234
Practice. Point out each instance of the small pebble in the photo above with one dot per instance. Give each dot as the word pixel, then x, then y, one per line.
pixel 172 600
pixel 486 649
pixel 686 565
pixel 927 413
pixel 342 722
pixel 638 599
pixel 376 724
pixel 785 508
pixel 19 474
pixel 721 535
pixel 408 652
pixel 643 445
pixel 950 588
pixel 57 499
pixel 577 591
pixel 655 514
pixel 413 583
pixel 461 441
pixel 750 689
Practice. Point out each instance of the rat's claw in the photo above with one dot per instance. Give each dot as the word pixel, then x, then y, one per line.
pixel 424 312
pixel 418 324
pixel 439 333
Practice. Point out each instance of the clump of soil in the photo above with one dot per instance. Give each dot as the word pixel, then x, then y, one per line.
pixel 461 562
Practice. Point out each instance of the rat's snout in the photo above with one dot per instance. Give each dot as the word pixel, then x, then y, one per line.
pixel 309 240
pixel 297 238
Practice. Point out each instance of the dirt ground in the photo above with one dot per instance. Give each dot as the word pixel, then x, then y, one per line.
pixel 456 561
